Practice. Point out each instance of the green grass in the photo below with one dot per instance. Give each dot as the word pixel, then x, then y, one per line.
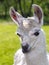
pixel 9 42
pixel 46 29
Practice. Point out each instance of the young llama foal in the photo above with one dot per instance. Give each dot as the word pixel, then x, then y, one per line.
pixel 33 51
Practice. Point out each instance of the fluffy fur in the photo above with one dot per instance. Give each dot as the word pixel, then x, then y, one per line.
pixel 27 27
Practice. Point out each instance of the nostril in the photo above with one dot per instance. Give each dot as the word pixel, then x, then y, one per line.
pixel 25 47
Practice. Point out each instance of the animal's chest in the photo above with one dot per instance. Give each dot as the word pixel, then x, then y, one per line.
pixel 40 59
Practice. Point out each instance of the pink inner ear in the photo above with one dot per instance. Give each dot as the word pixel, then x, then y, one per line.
pixel 14 15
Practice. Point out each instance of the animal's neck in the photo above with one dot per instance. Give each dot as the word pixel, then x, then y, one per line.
pixel 36 58
pixel 38 55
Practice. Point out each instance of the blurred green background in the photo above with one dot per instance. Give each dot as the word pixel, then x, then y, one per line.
pixel 9 41
pixel 24 7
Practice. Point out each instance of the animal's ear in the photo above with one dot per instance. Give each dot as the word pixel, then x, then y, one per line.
pixel 16 17
pixel 38 12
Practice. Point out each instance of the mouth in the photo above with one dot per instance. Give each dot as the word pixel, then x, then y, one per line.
pixel 25 51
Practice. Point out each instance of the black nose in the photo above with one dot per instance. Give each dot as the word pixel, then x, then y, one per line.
pixel 25 48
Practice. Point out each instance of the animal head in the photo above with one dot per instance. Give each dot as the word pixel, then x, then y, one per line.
pixel 28 28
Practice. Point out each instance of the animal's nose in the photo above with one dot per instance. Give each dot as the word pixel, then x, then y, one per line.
pixel 25 48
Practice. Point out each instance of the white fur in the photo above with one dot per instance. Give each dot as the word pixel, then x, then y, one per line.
pixel 27 27
pixel 37 56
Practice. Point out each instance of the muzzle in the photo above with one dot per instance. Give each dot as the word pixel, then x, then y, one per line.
pixel 25 48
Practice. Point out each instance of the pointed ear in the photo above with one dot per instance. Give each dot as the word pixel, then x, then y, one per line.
pixel 38 12
pixel 16 17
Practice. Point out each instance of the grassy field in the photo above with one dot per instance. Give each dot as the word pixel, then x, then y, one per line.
pixel 9 42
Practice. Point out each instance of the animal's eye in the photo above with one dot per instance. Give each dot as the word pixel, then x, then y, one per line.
pixel 18 34
pixel 36 33
pixel 21 37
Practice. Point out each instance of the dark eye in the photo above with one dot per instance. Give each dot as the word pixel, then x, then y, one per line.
pixel 18 34
pixel 36 33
